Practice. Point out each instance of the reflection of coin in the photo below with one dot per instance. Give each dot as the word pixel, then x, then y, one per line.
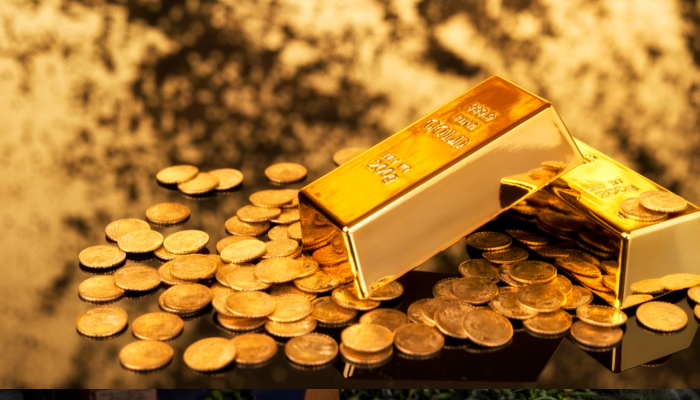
pixel 526 237
pixel 243 278
pixel 386 317
pixel 486 327
pixel 185 242
pixel 137 277
pixel 610 282
pixel 187 298
pixel 631 208
pixel 120 227
pixel 442 287
pixel 387 292
pixel 418 339
pixel 280 248
pixel 647 286
pixel 601 315
pixel 506 256
pixel 291 329
pixel 278 270
pixel 290 308
pixel 478 268
pixel 595 336
pixel 665 202
pixel 508 305
pixel 600 242
pixel 234 226
pixel 560 222
pixel 100 288
pixel 176 174
pixel 285 172
pixel 157 326
pixel 254 348
pixel 101 321
pixel 531 272
pixel 541 298
pixel 288 216
pixel 229 178
pixel 140 241
pixel 342 156
pixel 449 318
pixel 694 293
pixel 363 357
pixel 311 349
pixel 145 355
pixel 367 337
pixel 257 214
pixel 473 290
pixel 210 354
pixel 680 281
pixel 634 299
pixel 202 183
pixel 327 312
pixel 610 267
pixel 271 198
pixel 318 282
pixel 489 241
pixel 661 316
pixel 578 266
pixel 251 304
pixel 327 255
pixel 167 213
pixel 240 323
pixel 550 323
pixel 345 298
pixel 192 267
pixel 579 296
pixel 415 312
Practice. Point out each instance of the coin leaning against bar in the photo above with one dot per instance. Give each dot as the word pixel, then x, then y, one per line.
pixel 100 288
pixel 662 201
pixel 101 321
pixel 662 316
pixel 157 326
pixel 418 339
pixel 251 304
pixel 101 256
pixel 367 337
pixel 145 355
pixel 285 172
pixel 254 348
pixel 252 213
pixel 311 349
pixel 137 278
pixel 245 250
pixel 118 228
pixel 601 316
pixel 185 242
pixel 210 354
pixel 489 241
pixel 167 213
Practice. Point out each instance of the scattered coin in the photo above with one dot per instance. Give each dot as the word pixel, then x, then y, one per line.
pixel 243 278
pixel 473 290
pixel 386 317
pixel 526 237
pixel 450 316
pixel 442 287
pixel 140 241
pixel 285 173
pixel 229 178
pixel 680 281
pixel 579 297
pixel 167 213
pixel 137 278
pixel 251 304
pixel 311 349
pixel 177 174
pixel 100 288
pixel 240 323
pixel 601 315
pixel 102 256
pixel 631 208
pixel 294 231
pixel 578 266
pixel 251 213
pixel 595 336
pixel 508 305
pixel 186 298
pixel 101 321
pixel 487 328
pixel 281 248
pixel 120 227
pixel 504 274
pixel 186 242
pixel 664 202
pixel 541 298
pixel 634 299
pixel 157 326
pixel 390 291
pixel 271 198
pixel 415 312
pixel 244 250
pixel 562 283
pixel 234 226
pixel 327 312
pixel 489 241
pixel 318 282
pixel 477 268
pixel 526 210
pixel 661 316
pixel 202 183
pixel 278 270
pixel 647 286
pixel 418 340
pixel 365 358
pixel 367 337
pixel 549 323
pixel 342 156
pixel 345 298
pixel 431 306
pixel 290 308
pixel 145 355
pixel 694 293
pixel 210 354
pixel 192 267
pixel 291 329
pixel 254 348
pixel 533 272
pixel 506 256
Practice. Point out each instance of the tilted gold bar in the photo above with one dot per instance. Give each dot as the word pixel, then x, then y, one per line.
pixel 646 249
pixel 393 207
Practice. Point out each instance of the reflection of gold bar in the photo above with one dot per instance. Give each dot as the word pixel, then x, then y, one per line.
pixel 399 203
pixel 647 250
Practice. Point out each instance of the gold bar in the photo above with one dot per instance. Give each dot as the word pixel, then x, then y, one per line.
pixel 646 249
pixel 393 207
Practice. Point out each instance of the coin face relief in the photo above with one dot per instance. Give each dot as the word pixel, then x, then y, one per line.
pixel 473 290
pixel 506 256
pixel 251 213
pixel 477 268
pixel 210 354
pixel 145 355
pixel 386 317
pixel 192 267
pixel 186 298
pixel 344 298
pixel 167 213
pixel 327 312
pixel 251 304
pixel 486 327
pixel 140 241
pixel 254 348
pixel 100 288
pixel 449 318
pixel 290 308
pixel 541 298
pixel 235 226
pixel 311 349
pixel 185 242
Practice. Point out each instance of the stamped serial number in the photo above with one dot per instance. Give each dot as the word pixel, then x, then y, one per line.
pixel 389 168
pixel 615 187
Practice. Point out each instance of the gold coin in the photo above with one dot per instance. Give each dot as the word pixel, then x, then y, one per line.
pixel 167 213
pixel 367 337
pixel 559 221
pixel 234 226
pixel 647 286
pixel 631 208
pixel 157 326
pixel 418 340
pixel 219 303
pixel 473 290
pixel 309 266
pixel 600 242
pixel 294 231
pixel 271 198
pixel 342 156
pixel 680 281
pixel 610 282
pixel 342 272
pixel 506 256
pixel 595 284
pixel 327 312
pixel 486 327
pixel 527 238
pixel 610 267
pixel 285 172
pixel 229 178
pixel 102 256
pixel 318 282
pixel 120 227
pixel 634 299
pixel 138 278
pixel 145 355
pixel 504 274
pixel 177 174
pixel 661 316
pixel 223 271
pixel 489 241
pixel 562 283
pixel 449 317
pixel 665 202
pixel 508 305
pixel 290 308
pixel 288 216
pixel 694 293
pixel 164 254
pixel 278 270
pixel 229 240
pixel 541 298
pixel 186 242
pixel 311 349
pixel 282 289
pixel 254 348
pixel 532 272
pixel 202 183
pixel 549 323
pixel 386 317
pixel 327 256
pixel 551 251
pixel 100 288
pixel 240 323
pixel 363 357
pixel 101 321
pixel 415 312
pixel 595 336
pixel 192 267
pixel 217 289
pixel 295 200
pixel 245 250
pixel 390 291
pixel 140 241
pixel 168 278
pixel 278 232
pixel 251 304
pixel 431 306
pixel 280 248
pixel 257 214
pixel 697 311
pixel 210 354
pixel 243 278
pixel 601 315
pixel 578 266
pixel 345 298
pixel 442 287
pixel 187 298
pixel 477 268
pixel 579 296
pixel 291 329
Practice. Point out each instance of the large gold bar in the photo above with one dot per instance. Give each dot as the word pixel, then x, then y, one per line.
pixel 646 249
pixel 399 203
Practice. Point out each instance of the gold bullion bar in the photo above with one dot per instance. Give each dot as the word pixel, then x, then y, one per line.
pixel 647 249
pixel 422 189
